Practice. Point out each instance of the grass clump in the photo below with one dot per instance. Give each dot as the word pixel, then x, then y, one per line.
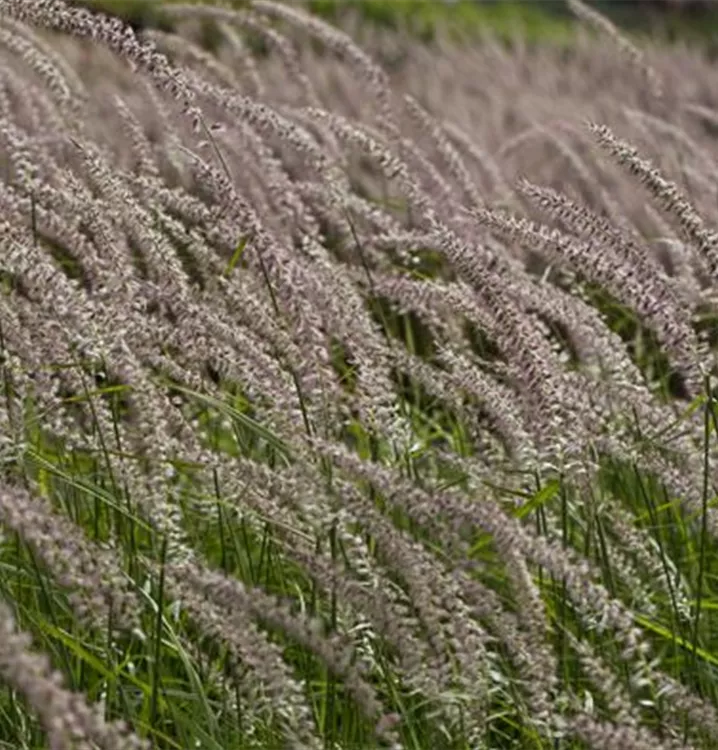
pixel 351 398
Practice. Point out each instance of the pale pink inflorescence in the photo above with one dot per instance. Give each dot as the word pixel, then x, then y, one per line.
pixel 66 716
pixel 246 294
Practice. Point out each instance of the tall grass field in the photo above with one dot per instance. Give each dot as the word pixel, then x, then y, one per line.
pixel 356 390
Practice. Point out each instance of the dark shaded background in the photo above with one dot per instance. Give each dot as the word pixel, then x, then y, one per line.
pixel 691 20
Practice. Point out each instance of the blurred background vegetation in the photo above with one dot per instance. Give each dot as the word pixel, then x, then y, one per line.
pixel 536 20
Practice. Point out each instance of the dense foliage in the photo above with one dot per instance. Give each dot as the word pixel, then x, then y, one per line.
pixel 355 392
